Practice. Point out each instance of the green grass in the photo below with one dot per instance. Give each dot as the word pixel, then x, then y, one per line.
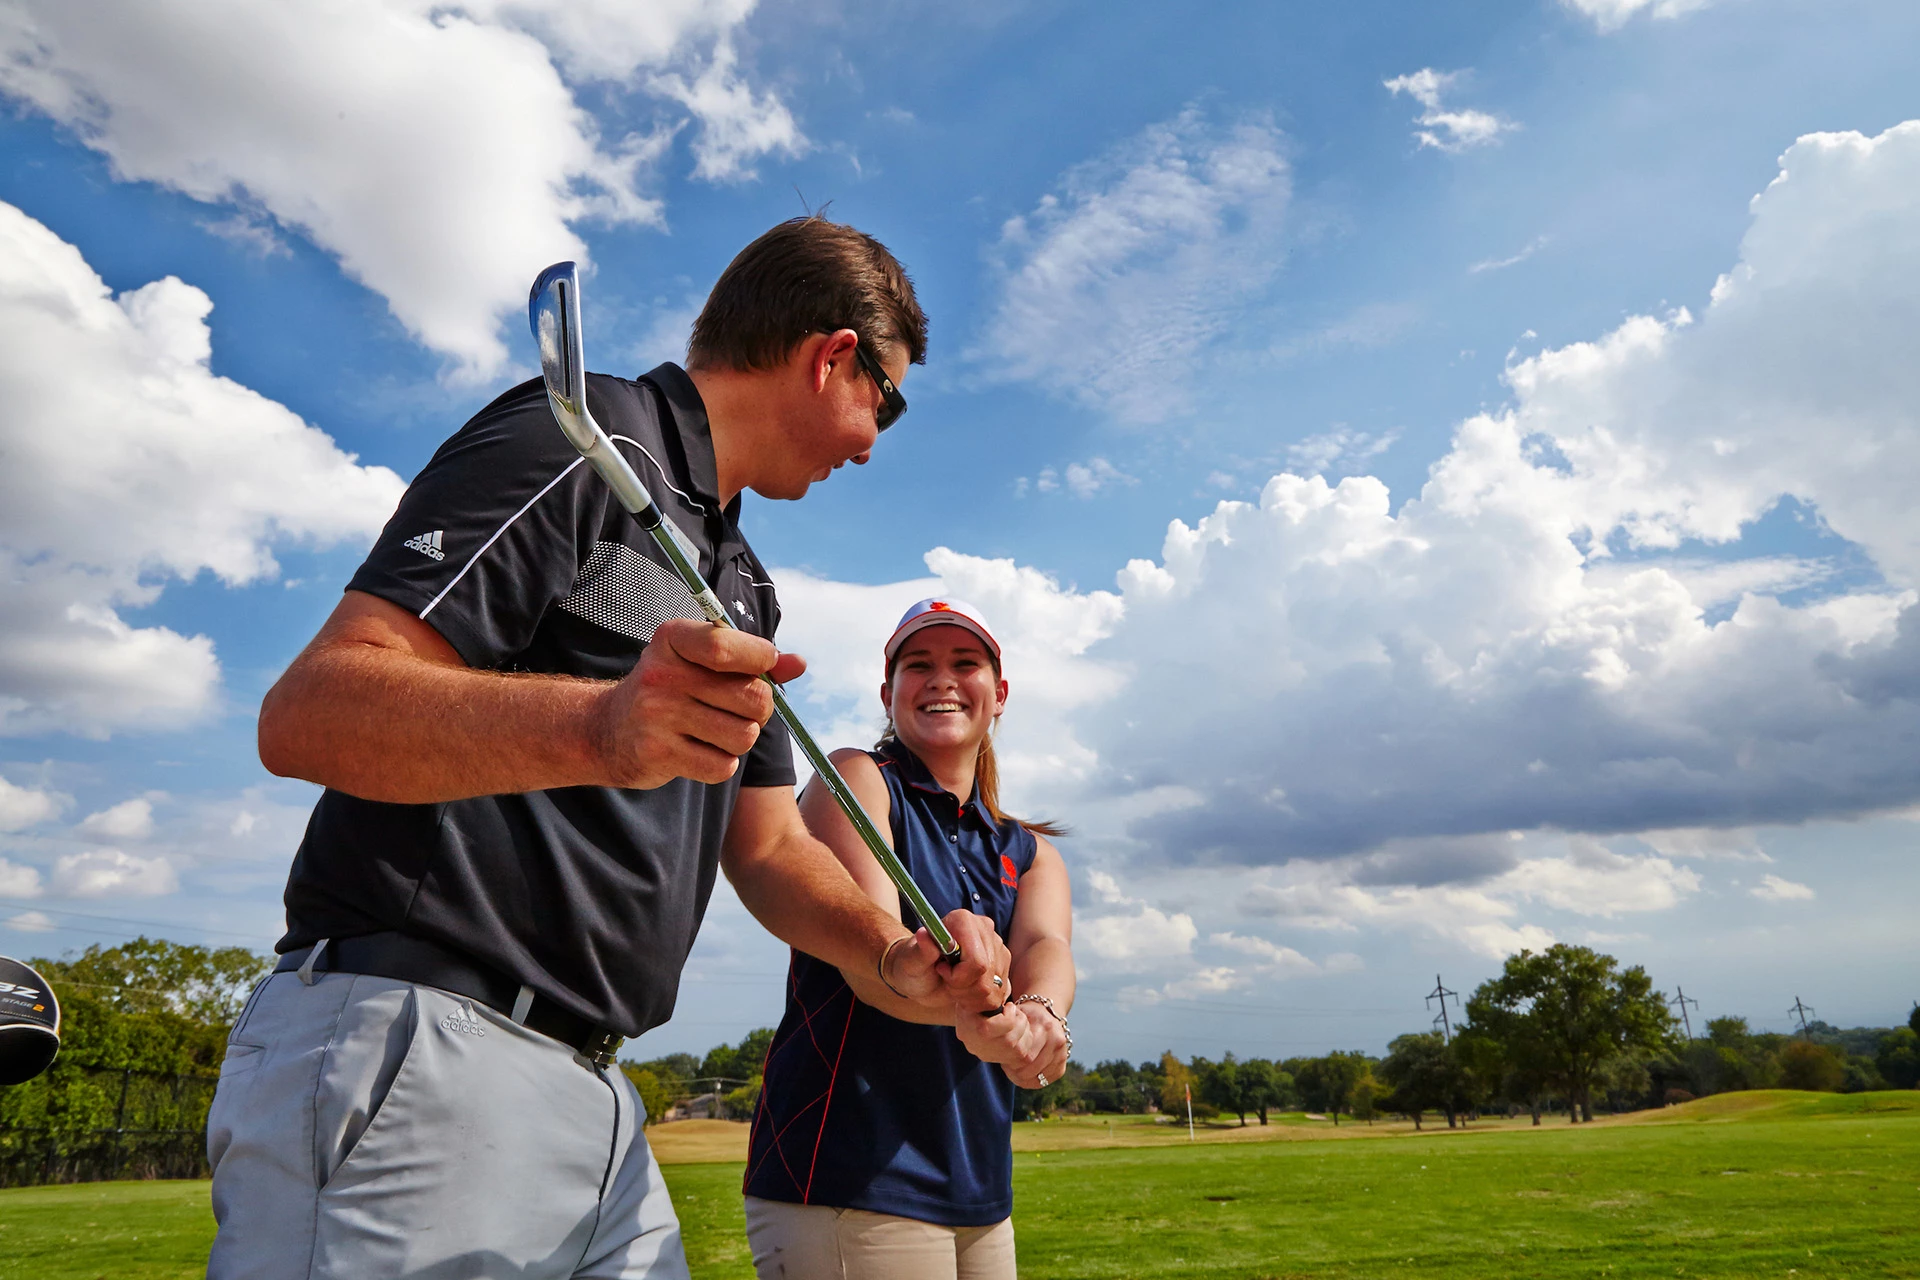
pixel 105 1231
pixel 1773 1184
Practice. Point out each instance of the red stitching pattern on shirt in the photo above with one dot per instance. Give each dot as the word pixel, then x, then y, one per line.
pixel 805 1196
pixel 776 1138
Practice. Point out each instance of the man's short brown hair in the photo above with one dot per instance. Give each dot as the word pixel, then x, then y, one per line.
pixel 807 275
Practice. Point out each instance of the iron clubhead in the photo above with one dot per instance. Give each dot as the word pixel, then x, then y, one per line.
pixel 553 312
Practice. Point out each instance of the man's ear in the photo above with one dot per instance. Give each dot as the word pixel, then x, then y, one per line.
pixel 831 349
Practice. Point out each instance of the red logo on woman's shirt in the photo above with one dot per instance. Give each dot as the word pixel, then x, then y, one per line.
pixel 1008 876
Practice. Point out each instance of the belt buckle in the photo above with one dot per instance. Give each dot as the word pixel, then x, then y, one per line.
pixel 603 1048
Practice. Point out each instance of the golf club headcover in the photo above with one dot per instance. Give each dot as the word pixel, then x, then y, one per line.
pixel 29 1023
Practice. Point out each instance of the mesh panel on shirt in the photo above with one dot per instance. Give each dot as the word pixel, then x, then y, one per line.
pixel 623 591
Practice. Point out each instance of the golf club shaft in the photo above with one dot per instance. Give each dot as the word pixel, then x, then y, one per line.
pixel 633 495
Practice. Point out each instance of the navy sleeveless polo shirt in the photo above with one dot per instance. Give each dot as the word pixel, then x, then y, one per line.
pixel 860 1110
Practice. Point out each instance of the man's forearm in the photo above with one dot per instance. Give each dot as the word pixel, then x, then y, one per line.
pixel 868 989
pixel 805 898
pixel 387 725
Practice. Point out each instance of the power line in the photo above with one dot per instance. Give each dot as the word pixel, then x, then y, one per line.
pixel 152 924
pixel 1681 998
pixel 1441 994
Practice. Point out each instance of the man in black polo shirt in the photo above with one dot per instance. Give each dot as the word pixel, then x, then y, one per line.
pixel 536 756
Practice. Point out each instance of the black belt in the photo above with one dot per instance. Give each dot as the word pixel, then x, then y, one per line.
pixel 409 959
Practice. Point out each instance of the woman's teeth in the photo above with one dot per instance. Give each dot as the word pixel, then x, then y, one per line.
pixel 942 706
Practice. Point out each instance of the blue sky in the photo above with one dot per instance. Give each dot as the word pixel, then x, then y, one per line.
pixel 1527 382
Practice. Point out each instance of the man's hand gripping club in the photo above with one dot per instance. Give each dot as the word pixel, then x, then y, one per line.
pixel 974 983
pixel 694 703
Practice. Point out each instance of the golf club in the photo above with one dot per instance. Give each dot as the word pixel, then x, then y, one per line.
pixel 29 1023
pixel 553 309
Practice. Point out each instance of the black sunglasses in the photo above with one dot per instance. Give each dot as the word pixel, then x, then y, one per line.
pixel 892 403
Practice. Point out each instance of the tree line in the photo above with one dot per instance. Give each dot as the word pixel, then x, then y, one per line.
pixel 143 1029
pixel 1566 1030
pixel 1563 1030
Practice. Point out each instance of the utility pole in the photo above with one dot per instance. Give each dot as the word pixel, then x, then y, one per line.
pixel 1681 998
pixel 1801 1011
pixel 1441 994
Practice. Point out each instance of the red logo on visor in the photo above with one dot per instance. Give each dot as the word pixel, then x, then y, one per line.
pixel 1008 876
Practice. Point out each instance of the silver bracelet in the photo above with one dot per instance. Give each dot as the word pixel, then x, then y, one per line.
pixel 1036 998
pixel 884 955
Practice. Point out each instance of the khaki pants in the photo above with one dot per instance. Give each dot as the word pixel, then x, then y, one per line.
pixel 818 1242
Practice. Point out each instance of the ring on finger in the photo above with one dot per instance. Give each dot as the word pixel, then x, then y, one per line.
pixel 1043 1078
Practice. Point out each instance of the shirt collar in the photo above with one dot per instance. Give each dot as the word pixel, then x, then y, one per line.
pixel 914 772
pixel 690 421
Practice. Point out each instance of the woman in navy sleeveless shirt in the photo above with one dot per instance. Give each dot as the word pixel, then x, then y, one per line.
pixel 882 1142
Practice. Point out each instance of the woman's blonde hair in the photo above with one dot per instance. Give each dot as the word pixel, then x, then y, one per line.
pixel 986 769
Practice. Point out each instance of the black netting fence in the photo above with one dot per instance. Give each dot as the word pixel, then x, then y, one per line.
pixel 83 1123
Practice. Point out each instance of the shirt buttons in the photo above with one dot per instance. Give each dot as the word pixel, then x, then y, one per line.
pixel 976 897
pixel 953 837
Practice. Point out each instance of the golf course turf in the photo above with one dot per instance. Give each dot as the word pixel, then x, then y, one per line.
pixel 1763 1184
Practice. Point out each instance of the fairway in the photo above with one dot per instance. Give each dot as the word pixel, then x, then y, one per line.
pixel 1765 1184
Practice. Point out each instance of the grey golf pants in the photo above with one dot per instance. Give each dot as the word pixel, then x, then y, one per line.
pixel 369 1128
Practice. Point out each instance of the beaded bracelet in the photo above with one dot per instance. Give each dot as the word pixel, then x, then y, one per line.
pixel 1036 998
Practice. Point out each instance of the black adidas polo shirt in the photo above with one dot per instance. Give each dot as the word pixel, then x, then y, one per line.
pixel 511 547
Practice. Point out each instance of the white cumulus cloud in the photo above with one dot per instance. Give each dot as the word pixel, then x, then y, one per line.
pixel 1110 287
pixel 1142 936
pixel 111 873
pixel 1455 129
pixel 438 150
pixel 1595 881
pixel 193 468
pixel 1611 15
pixel 128 820
pixel 17 881
pixel 22 807
pixel 1483 660
pixel 1774 888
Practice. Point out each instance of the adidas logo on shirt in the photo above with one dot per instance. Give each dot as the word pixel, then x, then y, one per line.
pixel 427 544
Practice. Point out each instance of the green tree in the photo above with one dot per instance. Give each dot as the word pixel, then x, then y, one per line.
pixel 1564 1011
pixel 1175 1079
pixel 739 1063
pixel 1367 1096
pixel 1625 1080
pixel 1220 1087
pixel 1326 1084
pixel 1124 1087
pixel 742 1102
pixel 1806 1065
pixel 151 975
pixel 1419 1071
pixel 1263 1086
pixel 1899 1059
pixel 677 1066
pixel 656 1095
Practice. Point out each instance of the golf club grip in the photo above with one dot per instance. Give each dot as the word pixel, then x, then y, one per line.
pixel 613 467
